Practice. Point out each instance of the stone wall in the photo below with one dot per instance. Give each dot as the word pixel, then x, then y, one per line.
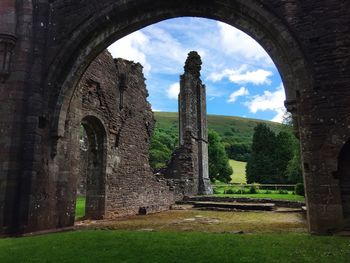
pixel 114 92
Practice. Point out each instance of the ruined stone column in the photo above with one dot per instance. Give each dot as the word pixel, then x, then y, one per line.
pixel 193 120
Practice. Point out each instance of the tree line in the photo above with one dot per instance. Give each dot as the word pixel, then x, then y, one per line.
pixel 164 142
pixel 272 157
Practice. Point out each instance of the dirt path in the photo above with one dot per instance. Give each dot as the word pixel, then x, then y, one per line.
pixel 206 221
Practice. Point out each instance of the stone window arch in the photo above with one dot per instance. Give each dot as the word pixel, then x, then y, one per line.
pixel 343 174
pixel 95 170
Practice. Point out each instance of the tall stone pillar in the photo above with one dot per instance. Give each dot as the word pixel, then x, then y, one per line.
pixel 7 36
pixel 193 129
pixel 10 120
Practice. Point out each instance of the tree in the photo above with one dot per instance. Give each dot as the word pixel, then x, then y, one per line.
pixel 162 145
pixel 219 167
pixel 283 153
pixel 293 171
pixel 260 165
pixel 238 151
pixel 274 159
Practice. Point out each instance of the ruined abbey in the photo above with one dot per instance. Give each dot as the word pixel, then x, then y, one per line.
pixel 112 166
pixel 57 107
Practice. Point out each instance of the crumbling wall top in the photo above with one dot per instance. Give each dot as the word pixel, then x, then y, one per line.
pixel 193 64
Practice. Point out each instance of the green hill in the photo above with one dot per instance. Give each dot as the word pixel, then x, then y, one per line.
pixel 229 127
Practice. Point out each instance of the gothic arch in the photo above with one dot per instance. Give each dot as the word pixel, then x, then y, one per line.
pixel 96 162
pixel 123 17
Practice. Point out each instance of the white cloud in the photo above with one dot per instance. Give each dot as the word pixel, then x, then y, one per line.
pixel 131 48
pixel 238 93
pixel 269 101
pixel 279 116
pixel 173 91
pixel 162 49
pixel 155 48
pixel 234 41
pixel 243 76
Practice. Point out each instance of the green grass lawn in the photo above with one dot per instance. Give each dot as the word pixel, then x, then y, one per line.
pixel 290 197
pixel 80 207
pixel 238 175
pixel 138 246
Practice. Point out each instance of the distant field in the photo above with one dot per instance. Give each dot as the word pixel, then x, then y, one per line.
pixel 238 175
pixel 241 129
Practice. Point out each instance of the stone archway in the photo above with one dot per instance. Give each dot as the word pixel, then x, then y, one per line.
pixel 68 169
pixel 343 174
pixel 56 41
pixel 118 20
pixel 106 26
pixel 95 171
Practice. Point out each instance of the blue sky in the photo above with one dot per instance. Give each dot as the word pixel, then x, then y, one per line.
pixel 240 77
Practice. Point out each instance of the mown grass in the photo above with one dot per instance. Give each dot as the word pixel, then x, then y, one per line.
pixel 80 208
pixel 238 175
pixel 289 196
pixel 127 246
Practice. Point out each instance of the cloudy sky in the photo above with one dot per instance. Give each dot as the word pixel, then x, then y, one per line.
pixel 240 77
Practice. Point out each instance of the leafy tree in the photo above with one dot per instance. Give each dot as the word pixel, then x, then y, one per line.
pixel 162 145
pixel 274 158
pixel 219 167
pixel 238 151
pixel 260 165
pixel 284 151
pixel 293 170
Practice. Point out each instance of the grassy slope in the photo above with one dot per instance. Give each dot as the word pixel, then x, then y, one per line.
pixel 127 246
pixel 239 128
pixel 238 175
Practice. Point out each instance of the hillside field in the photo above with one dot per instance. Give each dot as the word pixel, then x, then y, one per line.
pixel 238 175
pixel 241 129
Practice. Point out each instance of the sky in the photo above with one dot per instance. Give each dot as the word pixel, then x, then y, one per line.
pixel 240 77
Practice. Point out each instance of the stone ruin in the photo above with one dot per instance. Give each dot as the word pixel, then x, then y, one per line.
pixel 110 103
pixel 108 130
pixel 189 162
pixel 46 46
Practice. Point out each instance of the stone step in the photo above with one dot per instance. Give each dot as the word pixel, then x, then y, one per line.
pixel 235 206
pixel 210 198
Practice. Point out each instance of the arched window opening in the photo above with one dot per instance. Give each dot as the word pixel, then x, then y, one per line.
pixel 91 183
pixel 344 180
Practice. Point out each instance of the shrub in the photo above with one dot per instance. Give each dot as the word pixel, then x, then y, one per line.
pixel 230 192
pixel 267 192
pixel 299 189
pixel 282 192
pixel 216 191
pixel 252 190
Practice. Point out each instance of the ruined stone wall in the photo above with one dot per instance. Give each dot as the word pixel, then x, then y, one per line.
pixel 114 92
